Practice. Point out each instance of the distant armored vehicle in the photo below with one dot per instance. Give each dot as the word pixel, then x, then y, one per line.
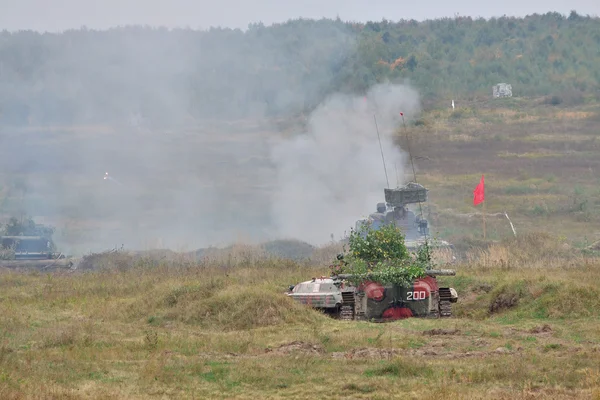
pixel 373 301
pixel 29 245
pixel 395 211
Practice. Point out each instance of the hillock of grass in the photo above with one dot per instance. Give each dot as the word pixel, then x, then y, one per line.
pixel 219 306
pixel 535 275
pixel 291 249
pixel 237 288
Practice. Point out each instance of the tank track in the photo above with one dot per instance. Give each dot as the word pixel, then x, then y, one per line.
pixel 445 309
pixel 347 313
pixel 445 305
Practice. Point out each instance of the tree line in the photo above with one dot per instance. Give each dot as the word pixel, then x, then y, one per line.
pixel 133 74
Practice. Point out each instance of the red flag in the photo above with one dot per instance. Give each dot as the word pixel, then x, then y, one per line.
pixel 479 193
pixel 402 114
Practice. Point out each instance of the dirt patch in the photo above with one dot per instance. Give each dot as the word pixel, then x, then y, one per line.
pixel 375 353
pixel 503 301
pixel 367 352
pixel 459 354
pixel 541 329
pixel 297 347
pixel 436 332
pixel 219 356
pixel 480 343
pixel 455 355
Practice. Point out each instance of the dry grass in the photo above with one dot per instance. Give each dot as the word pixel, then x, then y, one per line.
pixel 169 325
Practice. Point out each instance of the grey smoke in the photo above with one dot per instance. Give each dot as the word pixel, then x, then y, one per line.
pixel 333 174
pixel 217 185
pixel 195 168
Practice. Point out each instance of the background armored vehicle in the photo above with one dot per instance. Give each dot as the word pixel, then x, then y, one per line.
pixel 27 244
pixel 377 302
pixel 395 211
pixel 28 247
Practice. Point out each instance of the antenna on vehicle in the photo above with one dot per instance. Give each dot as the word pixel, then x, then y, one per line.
pixel 411 162
pixel 381 148
pixel 408 146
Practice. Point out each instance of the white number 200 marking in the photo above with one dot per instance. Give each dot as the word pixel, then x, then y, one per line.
pixel 420 295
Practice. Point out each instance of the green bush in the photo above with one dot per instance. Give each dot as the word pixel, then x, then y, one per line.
pixel 381 255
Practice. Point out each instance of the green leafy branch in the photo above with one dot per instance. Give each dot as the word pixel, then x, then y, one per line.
pixel 381 255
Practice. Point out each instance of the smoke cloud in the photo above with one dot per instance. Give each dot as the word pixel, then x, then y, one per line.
pixel 333 174
pixel 193 129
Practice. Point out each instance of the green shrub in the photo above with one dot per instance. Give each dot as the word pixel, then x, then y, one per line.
pixel 381 255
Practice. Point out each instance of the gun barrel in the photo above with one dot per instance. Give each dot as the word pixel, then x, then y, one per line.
pixel 22 238
pixel 441 272
pixel 429 272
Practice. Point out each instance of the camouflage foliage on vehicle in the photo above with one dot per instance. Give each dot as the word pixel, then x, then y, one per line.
pixel 382 256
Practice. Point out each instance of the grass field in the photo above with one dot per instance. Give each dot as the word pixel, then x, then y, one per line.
pixel 174 326
pixel 526 326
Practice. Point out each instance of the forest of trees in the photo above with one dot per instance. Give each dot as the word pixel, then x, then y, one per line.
pixel 169 76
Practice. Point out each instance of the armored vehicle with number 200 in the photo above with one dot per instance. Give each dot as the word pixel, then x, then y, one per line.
pixel 373 301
